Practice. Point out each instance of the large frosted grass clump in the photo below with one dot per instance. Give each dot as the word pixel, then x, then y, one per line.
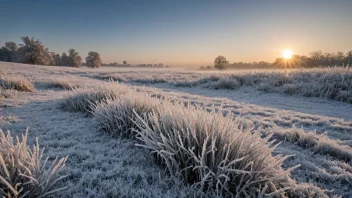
pixel 118 116
pixel 22 171
pixel 83 99
pixel 212 152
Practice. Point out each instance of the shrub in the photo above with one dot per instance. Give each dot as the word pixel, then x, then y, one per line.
pixel 22 173
pixel 61 83
pixel 83 99
pixel 211 151
pixel 16 82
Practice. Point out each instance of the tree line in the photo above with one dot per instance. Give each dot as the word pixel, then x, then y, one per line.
pixel 316 58
pixel 32 51
pixel 319 58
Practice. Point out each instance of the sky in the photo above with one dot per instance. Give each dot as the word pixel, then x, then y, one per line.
pixel 181 33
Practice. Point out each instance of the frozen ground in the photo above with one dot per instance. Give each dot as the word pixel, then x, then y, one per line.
pixel 101 166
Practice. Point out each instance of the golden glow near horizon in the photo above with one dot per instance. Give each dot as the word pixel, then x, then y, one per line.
pixel 287 54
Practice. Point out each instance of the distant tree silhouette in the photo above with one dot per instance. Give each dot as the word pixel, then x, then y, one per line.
pixel 339 58
pixel 34 52
pixel 349 56
pixel 9 52
pixel 316 56
pixel 65 60
pixel 57 59
pixel 220 62
pixel 93 60
pixel 52 61
pixel 75 60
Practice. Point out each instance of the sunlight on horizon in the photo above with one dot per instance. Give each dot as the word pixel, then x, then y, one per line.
pixel 287 54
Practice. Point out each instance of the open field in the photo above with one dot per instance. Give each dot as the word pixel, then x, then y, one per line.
pixel 308 111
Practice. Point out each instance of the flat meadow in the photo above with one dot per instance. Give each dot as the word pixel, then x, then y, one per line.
pixel 172 132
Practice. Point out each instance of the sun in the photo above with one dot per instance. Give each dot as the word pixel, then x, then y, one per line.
pixel 287 54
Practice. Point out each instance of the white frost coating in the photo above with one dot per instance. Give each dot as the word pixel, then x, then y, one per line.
pixel 100 166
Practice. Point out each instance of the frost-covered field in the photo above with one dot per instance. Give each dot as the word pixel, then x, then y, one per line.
pixel 316 129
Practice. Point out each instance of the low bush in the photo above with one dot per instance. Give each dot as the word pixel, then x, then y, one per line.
pixel 22 171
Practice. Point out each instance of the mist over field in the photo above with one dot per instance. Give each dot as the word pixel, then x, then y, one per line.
pixel 175 99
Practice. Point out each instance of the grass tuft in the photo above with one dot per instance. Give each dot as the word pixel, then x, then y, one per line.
pixel 83 99
pixel 212 152
pixel 22 173
pixel 16 82
pixel 117 116
pixel 61 84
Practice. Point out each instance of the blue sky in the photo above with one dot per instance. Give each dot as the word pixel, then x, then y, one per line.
pixel 181 33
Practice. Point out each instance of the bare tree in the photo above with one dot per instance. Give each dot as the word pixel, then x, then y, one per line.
pixel 220 62
pixel 124 62
pixel 93 60
pixel 339 58
pixel 328 58
pixel 316 56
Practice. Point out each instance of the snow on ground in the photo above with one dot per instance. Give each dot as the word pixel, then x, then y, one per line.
pixel 101 166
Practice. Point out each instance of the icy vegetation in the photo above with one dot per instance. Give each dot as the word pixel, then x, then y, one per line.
pixel 23 173
pixel 61 84
pixel 159 140
pixel 331 83
pixel 16 82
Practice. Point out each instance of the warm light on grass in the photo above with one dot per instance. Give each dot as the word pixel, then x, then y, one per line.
pixel 287 54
